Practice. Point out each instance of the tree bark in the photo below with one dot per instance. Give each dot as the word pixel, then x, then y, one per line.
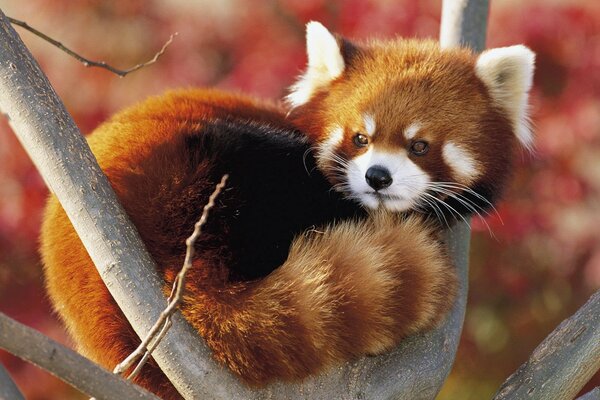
pixel 464 23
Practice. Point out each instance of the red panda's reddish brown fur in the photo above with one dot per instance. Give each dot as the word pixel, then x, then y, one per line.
pixel 400 82
pixel 354 289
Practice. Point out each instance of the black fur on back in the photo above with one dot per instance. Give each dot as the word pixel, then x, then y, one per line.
pixel 274 192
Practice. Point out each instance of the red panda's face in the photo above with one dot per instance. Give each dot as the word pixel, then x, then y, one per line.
pixel 404 162
pixel 404 125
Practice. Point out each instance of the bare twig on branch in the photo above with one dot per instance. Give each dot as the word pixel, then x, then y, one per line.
pixel 162 325
pixel 87 62
pixel 76 370
pixel 8 388
pixel 563 362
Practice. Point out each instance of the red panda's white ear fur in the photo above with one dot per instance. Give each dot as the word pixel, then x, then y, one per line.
pixel 508 74
pixel 325 63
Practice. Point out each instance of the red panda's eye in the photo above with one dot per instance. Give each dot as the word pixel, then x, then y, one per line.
pixel 419 148
pixel 360 140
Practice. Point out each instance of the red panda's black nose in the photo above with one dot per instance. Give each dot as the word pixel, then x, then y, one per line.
pixel 378 177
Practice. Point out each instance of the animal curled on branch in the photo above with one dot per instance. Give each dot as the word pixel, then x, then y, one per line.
pixel 291 277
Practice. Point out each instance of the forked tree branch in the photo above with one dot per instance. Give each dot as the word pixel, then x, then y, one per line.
pixel 415 370
pixel 90 63
pixel 63 158
pixel 64 363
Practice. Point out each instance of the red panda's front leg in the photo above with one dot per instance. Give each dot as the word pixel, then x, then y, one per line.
pixel 351 290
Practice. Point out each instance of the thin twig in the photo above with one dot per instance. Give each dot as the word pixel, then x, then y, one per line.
pixel 161 326
pixel 89 63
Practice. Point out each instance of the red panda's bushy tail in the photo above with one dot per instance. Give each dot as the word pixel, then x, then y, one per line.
pixel 350 290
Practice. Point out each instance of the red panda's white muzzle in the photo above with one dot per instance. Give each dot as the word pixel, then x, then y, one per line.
pixel 386 179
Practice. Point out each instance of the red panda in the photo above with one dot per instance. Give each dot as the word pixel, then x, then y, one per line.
pixel 324 245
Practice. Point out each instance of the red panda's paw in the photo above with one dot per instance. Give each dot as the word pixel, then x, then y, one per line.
pixel 356 288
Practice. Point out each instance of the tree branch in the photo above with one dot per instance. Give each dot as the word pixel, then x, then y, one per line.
pixel 64 363
pixel 415 370
pixel 563 362
pixel 87 62
pixel 8 388
pixel 464 23
pixel 66 163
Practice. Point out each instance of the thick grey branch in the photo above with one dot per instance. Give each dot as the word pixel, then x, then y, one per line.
pixel 64 160
pixel 63 362
pixel 563 362
pixel 8 388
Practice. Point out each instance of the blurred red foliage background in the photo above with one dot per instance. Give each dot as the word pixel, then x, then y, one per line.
pixel 542 258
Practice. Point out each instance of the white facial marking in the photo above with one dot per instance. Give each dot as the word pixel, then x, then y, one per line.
pixel 461 161
pixel 508 74
pixel 325 63
pixel 409 181
pixel 334 139
pixel 369 122
pixel 412 130
pixel 326 149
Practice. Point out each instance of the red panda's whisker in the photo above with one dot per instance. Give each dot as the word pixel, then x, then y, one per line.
pixel 456 185
pixel 453 185
pixel 306 153
pixel 336 159
pixel 445 188
pixel 448 206
pixel 470 205
pixel 438 211
pixel 461 198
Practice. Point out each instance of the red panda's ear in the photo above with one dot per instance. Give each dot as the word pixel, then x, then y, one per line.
pixel 507 72
pixel 325 63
